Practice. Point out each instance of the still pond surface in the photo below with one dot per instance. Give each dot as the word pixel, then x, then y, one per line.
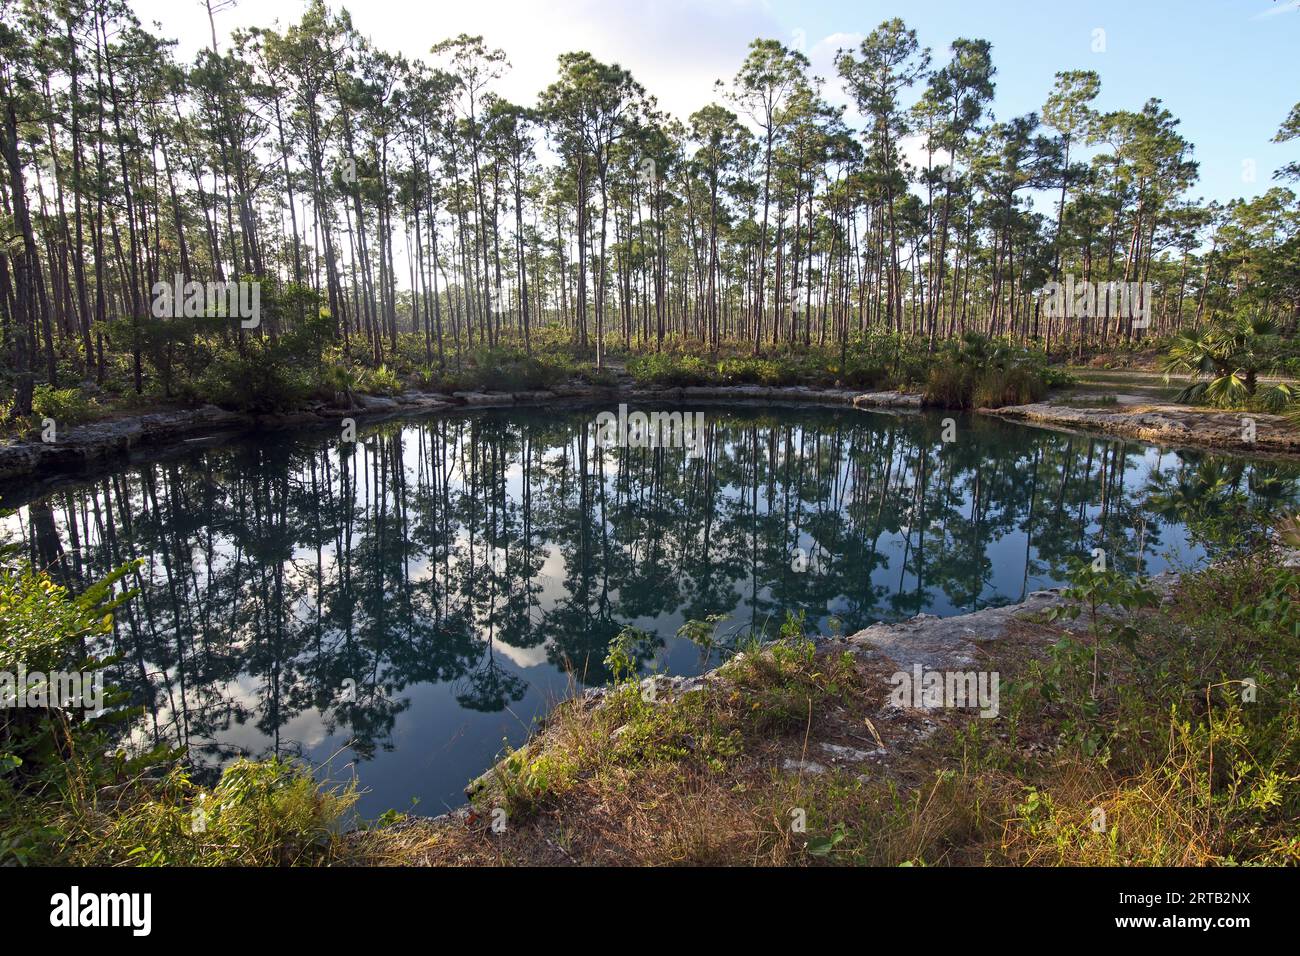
pixel 399 606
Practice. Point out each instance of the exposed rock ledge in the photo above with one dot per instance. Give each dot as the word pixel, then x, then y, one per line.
pixel 87 446
pixel 951 643
pixel 1174 425
pixel 945 643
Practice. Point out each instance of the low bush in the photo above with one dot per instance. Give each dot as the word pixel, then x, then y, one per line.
pixel 664 368
pixel 66 406
pixel 381 381
pixel 983 373
pixel 1180 731
pixel 258 382
pixel 864 371
pixel 756 371
pixel 508 369
pixel 260 813
pixel 1017 385
pixel 949 387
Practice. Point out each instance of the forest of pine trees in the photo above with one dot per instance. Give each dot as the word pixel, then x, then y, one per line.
pixel 398 213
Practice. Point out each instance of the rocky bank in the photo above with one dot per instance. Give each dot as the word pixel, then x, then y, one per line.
pixel 1174 425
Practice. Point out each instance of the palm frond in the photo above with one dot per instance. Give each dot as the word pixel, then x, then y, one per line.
pixel 1227 389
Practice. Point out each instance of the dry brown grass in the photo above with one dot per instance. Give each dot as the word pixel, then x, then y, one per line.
pixel 699 780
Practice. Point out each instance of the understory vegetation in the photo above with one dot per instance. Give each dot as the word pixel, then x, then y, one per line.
pixel 979 373
pixel 1226 359
pixel 296 371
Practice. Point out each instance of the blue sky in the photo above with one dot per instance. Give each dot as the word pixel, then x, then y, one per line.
pixel 1227 68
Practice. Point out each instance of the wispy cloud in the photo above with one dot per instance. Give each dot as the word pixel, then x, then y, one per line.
pixel 1290 6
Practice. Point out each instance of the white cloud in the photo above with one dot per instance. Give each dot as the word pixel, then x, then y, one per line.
pixel 523 656
pixel 914 152
pixel 675 48
pixel 822 56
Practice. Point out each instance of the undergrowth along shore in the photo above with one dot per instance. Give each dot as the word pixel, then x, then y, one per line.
pixel 1175 726
pixel 968 373
pixel 1222 366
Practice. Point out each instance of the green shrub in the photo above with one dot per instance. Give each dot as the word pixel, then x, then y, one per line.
pixel 862 371
pixel 66 406
pixel 602 378
pixel 67 798
pixel 509 369
pixel 756 371
pixel 259 383
pixel 997 388
pixel 663 368
pixel 260 813
pixel 427 376
pixel 1182 725
pixel 1226 359
pixel 44 628
pixel 381 381
pixel 177 350
pixel 339 383
pixel 979 372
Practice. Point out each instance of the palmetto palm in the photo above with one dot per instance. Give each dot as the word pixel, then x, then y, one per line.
pixel 1226 358
pixel 976 350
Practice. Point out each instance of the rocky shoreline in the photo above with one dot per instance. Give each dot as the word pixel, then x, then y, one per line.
pixel 1170 425
pixel 33 463
pixel 89 446
pixel 958 643
pixel 861 733
pixel 962 642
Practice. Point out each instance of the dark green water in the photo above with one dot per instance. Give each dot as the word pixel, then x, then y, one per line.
pixel 462 573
